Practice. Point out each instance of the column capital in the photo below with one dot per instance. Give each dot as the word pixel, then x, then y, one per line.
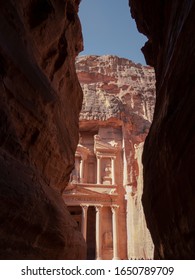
pixel 130 190
pixel 99 156
pixel 114 208
pixel 84 206
pixel 98 207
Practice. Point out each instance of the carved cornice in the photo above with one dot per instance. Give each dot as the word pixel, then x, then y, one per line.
pixel 101 155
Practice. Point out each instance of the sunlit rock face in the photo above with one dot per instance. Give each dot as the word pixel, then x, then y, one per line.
pixel 120 90
pixel 118 104
pixel 119 84
pixel 39 108
pixel 169 188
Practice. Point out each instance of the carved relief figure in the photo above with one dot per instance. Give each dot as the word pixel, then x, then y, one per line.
pixel 107 178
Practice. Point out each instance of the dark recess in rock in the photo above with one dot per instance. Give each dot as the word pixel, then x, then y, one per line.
pixel 2 67
pixel 39 11
pixel 62 53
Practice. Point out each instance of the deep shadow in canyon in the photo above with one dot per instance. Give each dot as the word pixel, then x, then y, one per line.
pixel 169 152
pixel 39 109
pixel 40 103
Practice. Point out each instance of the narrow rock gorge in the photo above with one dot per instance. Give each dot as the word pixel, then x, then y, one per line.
pixel 39 41
pixel 169 152
pixel 40 101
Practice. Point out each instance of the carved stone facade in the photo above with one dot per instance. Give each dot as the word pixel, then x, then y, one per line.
pixel 105 189
pixel 97 182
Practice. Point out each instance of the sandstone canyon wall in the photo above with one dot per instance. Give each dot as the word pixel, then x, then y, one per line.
pixel 169 152
pixel 118 104
pixel 40 103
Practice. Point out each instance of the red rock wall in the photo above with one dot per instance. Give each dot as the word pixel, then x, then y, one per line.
pixel 118 103
pixel 169 153
pixel 119 92
pixel 39 41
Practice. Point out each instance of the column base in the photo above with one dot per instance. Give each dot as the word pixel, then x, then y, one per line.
pixel 99 259
pixel 116 258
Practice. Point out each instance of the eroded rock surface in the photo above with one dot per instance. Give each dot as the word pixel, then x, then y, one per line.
pixel 120 92
pixel 39 108
pixel 111 84
pixel 118 105
pixel 169 188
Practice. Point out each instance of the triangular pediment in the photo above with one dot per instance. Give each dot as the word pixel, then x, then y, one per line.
pixel 82 149
pixel 89 191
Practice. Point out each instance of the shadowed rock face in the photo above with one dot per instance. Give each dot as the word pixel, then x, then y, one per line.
pixel 40 100
pixel 169 153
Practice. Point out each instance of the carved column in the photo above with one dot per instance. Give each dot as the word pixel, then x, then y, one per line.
pixel 77 168
pixel 131 243
pixel 98 233
pixel 113 170
pixel 114 209
pixel 98 170
pixel 84 221
pixel 81 170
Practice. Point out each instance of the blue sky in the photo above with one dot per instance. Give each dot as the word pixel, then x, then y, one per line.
pixel 109 29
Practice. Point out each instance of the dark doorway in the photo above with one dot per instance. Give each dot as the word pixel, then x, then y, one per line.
pixel 91 252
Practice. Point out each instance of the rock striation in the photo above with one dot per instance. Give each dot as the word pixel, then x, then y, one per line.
pixel 112 84
pixel 39 41
pixel 169 198
pixel 118 105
